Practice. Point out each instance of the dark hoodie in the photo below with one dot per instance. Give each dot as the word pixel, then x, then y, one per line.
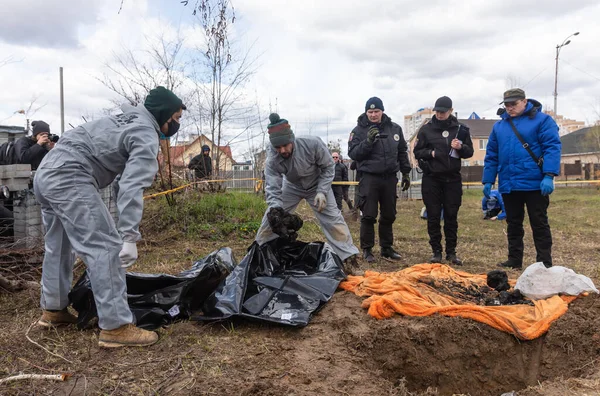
pixel 431 138
pixel 386 155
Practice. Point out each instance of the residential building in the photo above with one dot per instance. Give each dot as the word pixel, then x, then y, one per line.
pixel 480 129
pixel 243 166
pixel 182 154
pixel 413 122
pixel 11 133
pixel 580 155
pixel 565 125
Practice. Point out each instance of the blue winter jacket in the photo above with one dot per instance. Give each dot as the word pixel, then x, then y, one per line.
pixel 506 158
pixel 499 204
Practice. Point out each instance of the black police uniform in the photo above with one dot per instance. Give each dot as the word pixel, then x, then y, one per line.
pixel 341 174
pixel 378 164
pixel 442 183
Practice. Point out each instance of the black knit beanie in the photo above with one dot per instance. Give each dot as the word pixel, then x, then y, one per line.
pixel 374 103
pixel 39 127
pixel 162 104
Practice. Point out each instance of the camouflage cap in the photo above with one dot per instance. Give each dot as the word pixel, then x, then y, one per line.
pixel 513 94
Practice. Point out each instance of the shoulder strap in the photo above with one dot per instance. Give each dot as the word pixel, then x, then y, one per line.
pixel 539 161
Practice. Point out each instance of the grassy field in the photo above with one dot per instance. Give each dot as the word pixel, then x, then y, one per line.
pixel 202 223
pixel 340 351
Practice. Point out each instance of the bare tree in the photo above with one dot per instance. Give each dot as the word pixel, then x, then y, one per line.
pixel 227 72
pixel 512 81
pixel 133 73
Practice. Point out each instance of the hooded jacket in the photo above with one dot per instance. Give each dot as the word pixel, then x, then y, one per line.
pixel 310 166
pixel 506 158
pixel 431 139
pixel 386 155
pixel 125 144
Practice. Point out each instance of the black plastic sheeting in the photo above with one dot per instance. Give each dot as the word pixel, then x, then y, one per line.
pixel 158 299
pixel 281 281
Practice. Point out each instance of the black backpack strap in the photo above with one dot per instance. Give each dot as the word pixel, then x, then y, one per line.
pixel 539 161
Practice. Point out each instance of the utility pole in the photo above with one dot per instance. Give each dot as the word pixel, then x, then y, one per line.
pixel 558 47
pixel 62 102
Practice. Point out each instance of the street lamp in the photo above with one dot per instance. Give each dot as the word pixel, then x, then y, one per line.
pixel 558 47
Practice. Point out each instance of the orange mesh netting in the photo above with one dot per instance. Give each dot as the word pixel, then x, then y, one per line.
pixel 426 289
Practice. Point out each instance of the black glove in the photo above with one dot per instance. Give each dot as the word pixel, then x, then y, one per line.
pixel 405 181
pixel 372 134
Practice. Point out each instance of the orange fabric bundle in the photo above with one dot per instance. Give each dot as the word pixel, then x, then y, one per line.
pixel 415 291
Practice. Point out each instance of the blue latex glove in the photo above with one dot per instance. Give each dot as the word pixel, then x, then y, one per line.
pixel 547 185
pixel 487 189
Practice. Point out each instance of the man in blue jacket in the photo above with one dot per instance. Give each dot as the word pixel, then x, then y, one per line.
pixel 522 179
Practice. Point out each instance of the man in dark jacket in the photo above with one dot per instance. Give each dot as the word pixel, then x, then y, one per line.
pixel 202 164
pixel 441 145
pixel 523 180
pixel 32 149
pixel 340 174
pixel 378 146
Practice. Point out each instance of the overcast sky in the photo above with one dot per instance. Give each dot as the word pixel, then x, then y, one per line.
pixel 318 61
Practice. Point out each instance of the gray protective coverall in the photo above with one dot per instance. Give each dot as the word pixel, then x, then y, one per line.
pixel 308 171
pixel 67 185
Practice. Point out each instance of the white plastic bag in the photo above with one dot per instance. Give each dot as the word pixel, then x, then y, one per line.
pixel 538 282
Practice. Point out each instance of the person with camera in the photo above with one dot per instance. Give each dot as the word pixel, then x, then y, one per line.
pixel 32 149
pixel 377 145
pixel 441 145
pixel 524 152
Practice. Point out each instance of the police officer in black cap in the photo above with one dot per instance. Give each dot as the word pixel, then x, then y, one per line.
pixel 441 145
pixel 378 146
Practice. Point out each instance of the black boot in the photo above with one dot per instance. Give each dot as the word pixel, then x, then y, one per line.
pixel 437 257
pixel 511 264
pixel 452 259
pixel 368 255
pixel 390 253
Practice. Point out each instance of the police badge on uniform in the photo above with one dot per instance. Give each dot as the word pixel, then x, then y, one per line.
pixel 397 137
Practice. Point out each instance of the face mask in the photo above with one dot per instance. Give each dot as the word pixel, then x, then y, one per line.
pixel 173 128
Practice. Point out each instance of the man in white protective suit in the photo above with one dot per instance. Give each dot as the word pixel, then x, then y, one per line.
pixel 302 168
pixel 67 183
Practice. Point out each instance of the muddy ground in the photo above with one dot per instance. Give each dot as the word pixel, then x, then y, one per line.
pixel 343 351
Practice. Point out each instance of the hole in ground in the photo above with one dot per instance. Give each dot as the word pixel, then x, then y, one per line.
pixel 457 355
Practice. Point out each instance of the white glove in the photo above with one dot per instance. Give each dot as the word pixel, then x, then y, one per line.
pixel 320 202
pixel 128 254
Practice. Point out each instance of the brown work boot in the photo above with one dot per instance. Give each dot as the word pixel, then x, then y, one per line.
pixel 55 319
pixel 127 335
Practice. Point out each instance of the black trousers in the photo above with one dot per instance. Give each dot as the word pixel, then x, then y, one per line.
pixel 537 210
pixel 441 192
pixel 338 193
pixel 377 193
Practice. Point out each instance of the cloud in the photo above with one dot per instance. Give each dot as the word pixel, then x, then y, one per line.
pixel 47 23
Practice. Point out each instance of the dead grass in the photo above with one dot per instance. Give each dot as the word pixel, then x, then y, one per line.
pixel 253 358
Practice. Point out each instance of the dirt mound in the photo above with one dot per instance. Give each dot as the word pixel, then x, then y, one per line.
pixel 456 355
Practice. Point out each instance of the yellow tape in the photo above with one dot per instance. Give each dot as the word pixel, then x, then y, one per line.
pixel 195 183
pixel 339 183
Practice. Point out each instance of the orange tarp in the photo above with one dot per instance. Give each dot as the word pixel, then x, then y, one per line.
pixel 409 292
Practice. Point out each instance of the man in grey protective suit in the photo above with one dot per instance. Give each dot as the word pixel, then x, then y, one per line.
pixel 77 221
pixel 302 168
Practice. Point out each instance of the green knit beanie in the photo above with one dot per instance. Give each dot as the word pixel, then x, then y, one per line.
pixel 280 132
pixel 162 104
